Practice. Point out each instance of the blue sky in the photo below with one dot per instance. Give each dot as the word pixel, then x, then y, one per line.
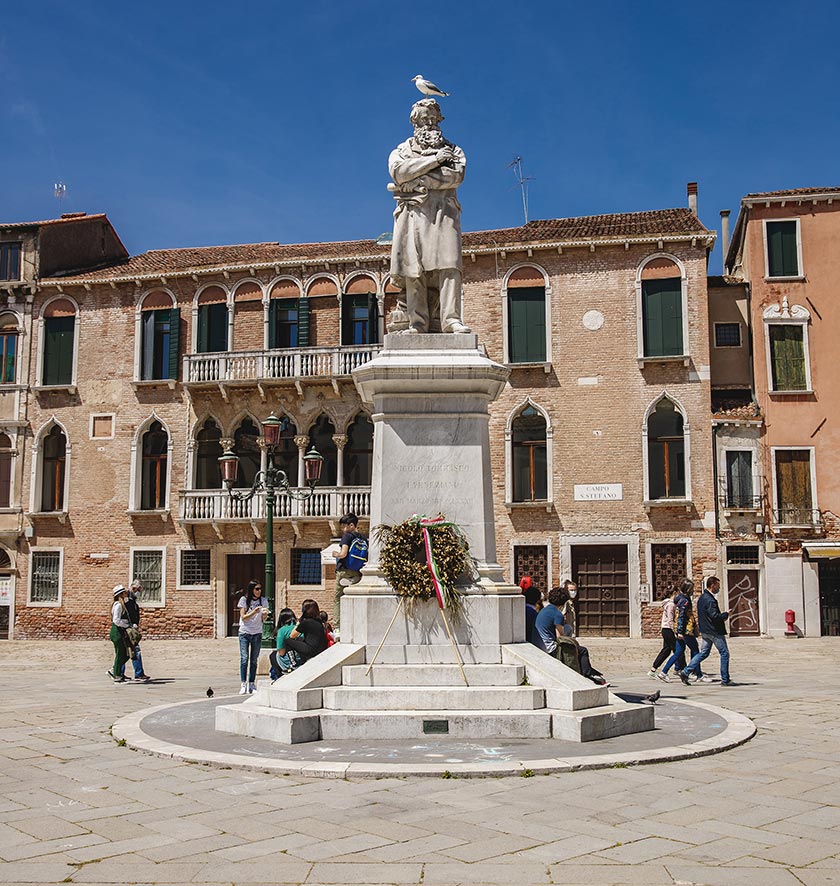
pixel 198 123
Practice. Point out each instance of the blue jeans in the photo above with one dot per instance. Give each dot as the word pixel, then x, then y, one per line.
pixel 137 662
pixel 719 643
pixel 249 645
pixel 691 643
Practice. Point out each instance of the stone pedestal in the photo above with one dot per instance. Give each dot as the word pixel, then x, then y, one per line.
pixel 429 395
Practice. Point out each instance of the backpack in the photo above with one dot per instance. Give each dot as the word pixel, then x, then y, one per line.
pixel 357 554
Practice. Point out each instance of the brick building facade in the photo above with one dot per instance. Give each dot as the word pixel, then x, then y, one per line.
pixel 131 378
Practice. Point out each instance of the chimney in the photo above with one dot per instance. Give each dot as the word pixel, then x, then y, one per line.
pixel 691 190
pixel 724 232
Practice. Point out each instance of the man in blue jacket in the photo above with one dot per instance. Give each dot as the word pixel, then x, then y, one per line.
pixel 712 624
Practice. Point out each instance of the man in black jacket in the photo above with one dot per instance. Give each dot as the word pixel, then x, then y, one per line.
pixel 712 624
pixel 133 609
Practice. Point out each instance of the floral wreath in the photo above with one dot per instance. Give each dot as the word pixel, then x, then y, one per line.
pixel 423 557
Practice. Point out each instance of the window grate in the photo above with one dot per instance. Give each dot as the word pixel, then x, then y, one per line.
pixel 148 570
pixel 745 555
pixel 45 575
pixel 727 335
pixel 306 566
pixel 195 568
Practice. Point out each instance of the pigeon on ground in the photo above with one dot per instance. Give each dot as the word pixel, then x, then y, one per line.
pixel 427 87
pixel 652 699
pixel 209 691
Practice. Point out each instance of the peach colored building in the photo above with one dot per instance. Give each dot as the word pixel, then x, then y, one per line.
pixel 785 251
pixel 139 373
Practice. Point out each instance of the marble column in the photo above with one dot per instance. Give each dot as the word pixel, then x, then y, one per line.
pixel 301 441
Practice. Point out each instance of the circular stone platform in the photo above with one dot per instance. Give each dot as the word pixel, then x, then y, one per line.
pixel 186 731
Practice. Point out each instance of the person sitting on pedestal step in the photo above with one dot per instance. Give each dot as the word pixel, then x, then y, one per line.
pixel 283 660
pixel 308 638
pixel 351 556
pixel 533 604
pixel 549 634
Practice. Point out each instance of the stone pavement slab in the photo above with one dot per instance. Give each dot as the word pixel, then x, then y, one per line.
pixel 765 814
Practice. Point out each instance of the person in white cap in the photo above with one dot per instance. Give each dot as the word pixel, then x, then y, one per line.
pixel 119 623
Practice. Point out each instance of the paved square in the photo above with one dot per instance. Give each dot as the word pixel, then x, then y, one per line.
pixel 77 808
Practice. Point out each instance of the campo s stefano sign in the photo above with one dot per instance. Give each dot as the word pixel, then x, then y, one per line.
pixel 599 492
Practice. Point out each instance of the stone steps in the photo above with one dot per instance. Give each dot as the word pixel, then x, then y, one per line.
pixel 433 698
pixel 432 675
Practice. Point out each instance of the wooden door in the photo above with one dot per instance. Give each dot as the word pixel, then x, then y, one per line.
pixel 829 571
pixel 743 602
pixel 241 568
pixel 603 606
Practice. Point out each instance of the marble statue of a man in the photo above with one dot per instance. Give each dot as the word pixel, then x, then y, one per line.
pixel 426 250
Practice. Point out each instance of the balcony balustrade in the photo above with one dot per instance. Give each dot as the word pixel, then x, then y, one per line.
pixel 795 516
pixel 277 365
pixel 216 506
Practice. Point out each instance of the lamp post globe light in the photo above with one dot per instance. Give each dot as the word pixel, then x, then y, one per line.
pixel 273 480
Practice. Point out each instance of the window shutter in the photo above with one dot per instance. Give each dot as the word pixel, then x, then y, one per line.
pixel 526 325
pixel 303 322
pixel 793 482
pixel 202 339
pixel 147 351
pixel 662 317
pixel 174 341
pixel 739 478
pixel 787 357
pixel 273 308
pixel 346 319
pixel 782 254
pixel 58 350
pixel 373 320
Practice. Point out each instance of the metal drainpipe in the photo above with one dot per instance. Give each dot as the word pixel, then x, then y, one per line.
pixel 715 479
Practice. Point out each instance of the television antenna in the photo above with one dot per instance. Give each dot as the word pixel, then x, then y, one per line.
pixel 522 181
pixel 60 193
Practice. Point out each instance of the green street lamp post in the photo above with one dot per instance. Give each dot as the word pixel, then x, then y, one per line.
pixel 272 480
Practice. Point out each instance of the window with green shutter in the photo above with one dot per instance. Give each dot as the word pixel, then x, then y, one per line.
pixel 160 344
pixel 782 249
pixel 526 324
pixel 212 328
pixel 787 356
pixel 359 320
pixel 283 323
pixel 58 350
pixel 662 318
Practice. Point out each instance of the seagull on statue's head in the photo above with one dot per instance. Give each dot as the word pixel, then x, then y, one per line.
pixel 427 87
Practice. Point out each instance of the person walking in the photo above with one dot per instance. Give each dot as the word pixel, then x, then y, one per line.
pixel 683 627
pixel 133 609
pixel 253 611
pixel 669 638
pixel 119 623
pixel 712 624
pixel 351 556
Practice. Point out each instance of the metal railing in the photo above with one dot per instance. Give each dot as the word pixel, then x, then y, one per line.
pixel 736 500
pixel 215 505
pixel 793 515
pixel 238 366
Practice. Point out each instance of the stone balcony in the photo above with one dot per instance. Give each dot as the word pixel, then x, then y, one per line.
pixel 327 503
pixel 240 368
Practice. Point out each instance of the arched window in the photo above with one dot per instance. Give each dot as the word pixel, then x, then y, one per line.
pixel 6 458
pixel 246 447
pixel 212 320
pixel 358 453
pixel 527 340
pixel 53 470
pixel 9 332
pixel 160 324
pixel 661 288
pixel 153 478
pixel 666 452
pixel 360 312
pixel 286 455
pixel 59 339
pixel 530 456
pixel 321 437
pixel 208 474
pixel 288 316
